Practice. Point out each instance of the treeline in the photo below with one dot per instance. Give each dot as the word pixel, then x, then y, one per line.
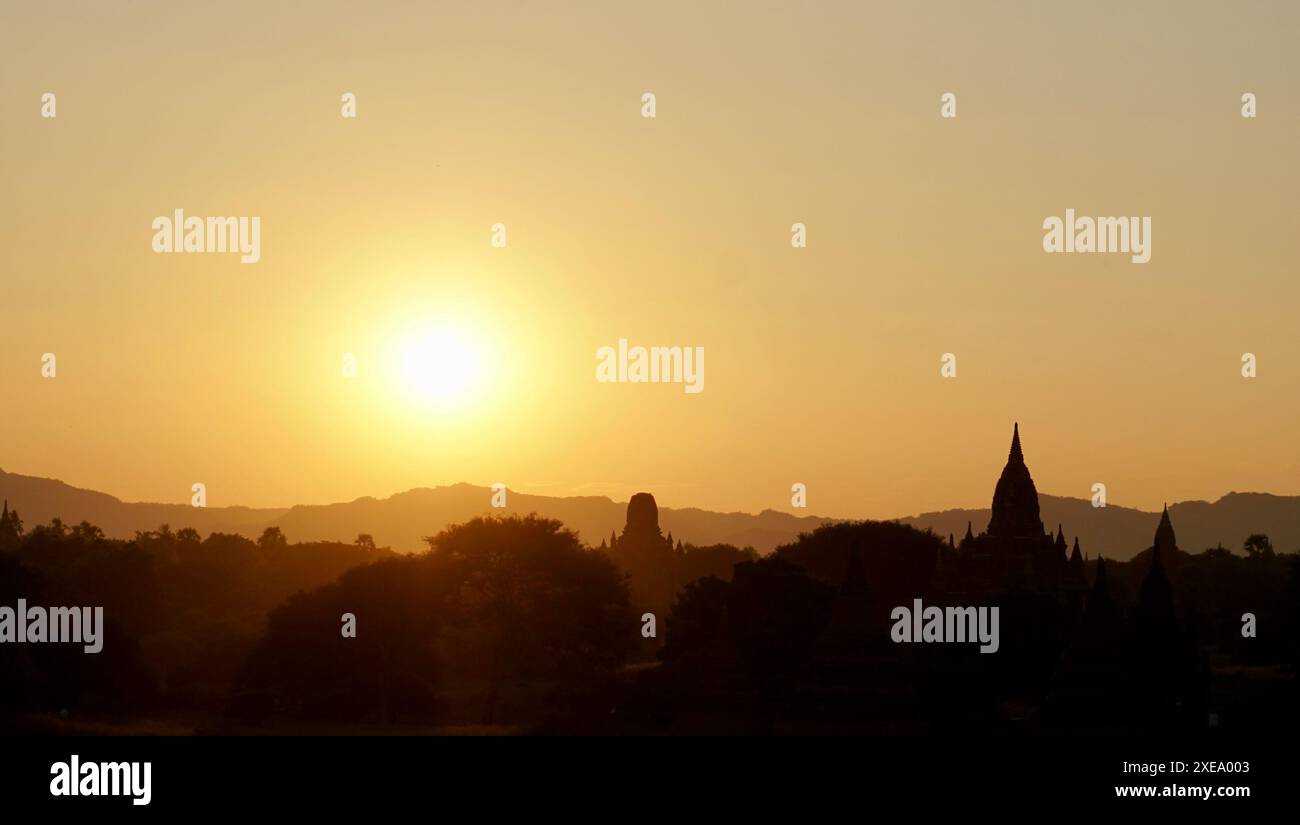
pixel 512 613
pixel 499 613
pixel 515 622
pixel 182 612
pixel 800 641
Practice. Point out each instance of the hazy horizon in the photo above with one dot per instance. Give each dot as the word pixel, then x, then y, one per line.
pixel 796 512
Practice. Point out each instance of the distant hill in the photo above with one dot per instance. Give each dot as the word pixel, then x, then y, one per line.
pixel 402 521
pixel 1122 532
pixel 40 499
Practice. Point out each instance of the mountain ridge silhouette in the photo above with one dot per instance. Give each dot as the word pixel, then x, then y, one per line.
pixel 403 519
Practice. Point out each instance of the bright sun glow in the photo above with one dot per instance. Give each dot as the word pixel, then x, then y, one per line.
pixel 440 365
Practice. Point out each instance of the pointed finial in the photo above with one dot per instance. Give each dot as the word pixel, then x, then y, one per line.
pixel 1016 454
pixel 1165 538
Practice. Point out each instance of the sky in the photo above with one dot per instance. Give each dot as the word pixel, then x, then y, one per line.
pixel 924 237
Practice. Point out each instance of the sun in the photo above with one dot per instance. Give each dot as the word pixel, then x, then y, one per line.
pixel 440 365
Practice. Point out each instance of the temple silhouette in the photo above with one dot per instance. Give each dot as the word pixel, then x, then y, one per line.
pixel 657 567
pixel 1017 554
pixel 646 555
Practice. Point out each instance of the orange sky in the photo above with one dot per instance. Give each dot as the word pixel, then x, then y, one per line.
pixel 924 237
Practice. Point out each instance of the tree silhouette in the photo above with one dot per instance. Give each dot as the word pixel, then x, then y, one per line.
pixel 272 539
pixel 527 600
pixel 1257 546
pixel 306 667
pixel 698 635
pixel 493 601
pixel 776 611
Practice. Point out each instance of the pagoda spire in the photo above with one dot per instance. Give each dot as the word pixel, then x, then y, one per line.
pixel 1015 499
pixel 1100 606
pixel 1076 566
pixel 1165 540
pixel 1155 604
pixel 1015 455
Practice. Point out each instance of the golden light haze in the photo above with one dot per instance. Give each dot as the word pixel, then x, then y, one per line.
pixel 924 237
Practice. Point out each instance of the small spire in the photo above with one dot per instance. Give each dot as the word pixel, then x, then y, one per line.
pixel 1016 454
pixel 1099 603
pixel 1165 538
pixel 969 535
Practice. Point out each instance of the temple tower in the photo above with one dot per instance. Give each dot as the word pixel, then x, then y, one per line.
pixel 1015 499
